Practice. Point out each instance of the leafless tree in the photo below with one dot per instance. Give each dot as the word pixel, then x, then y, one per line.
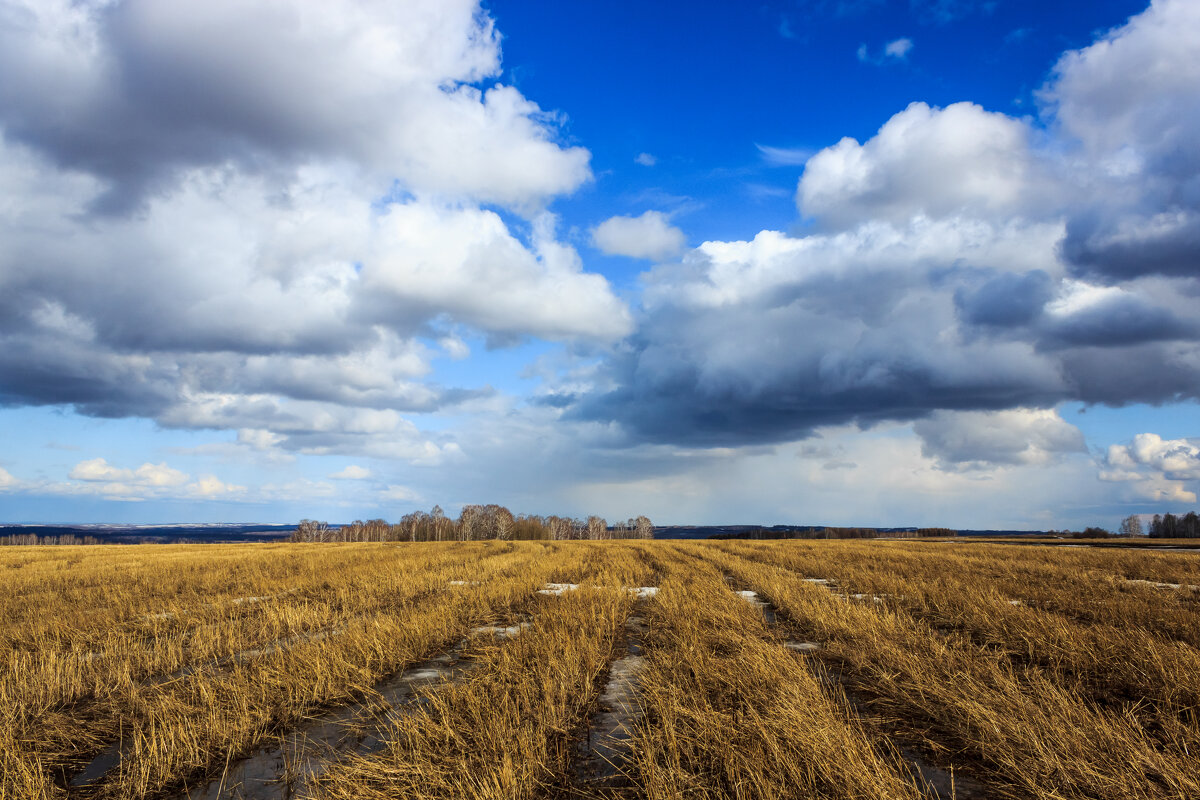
pixel 1131 526
pixel 645 528
pixel 597 528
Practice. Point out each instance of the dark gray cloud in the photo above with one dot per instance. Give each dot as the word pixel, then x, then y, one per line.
pixel 37 370
pixel 1005 300
pixel 1121 321
pixel 712 366
pixel 1125 244
pixel 765 341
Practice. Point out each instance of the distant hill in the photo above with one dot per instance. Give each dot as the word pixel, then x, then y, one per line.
pixel 780 531
pixel 159 534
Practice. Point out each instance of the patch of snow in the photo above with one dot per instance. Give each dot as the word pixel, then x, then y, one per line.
pixel 558 589
pixel 1158 585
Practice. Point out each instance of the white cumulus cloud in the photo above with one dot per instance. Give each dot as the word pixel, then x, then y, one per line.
pixel 351 472
pixel 650 236
pixel 148 475
pixel 938 162
pixel 898 48
pixel 134 91
pixel 210 487
pixel 975 439
pixel 252 216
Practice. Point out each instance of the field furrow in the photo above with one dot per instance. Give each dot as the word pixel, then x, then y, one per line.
pixel 507 730
pixel 732 713
pixel 599 669
pixel 1033 735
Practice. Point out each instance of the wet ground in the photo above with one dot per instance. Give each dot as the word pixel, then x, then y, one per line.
pixel 604 754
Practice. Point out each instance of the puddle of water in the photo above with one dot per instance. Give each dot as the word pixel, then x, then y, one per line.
pixel 943 784
pixel 99 766
pixel 874 598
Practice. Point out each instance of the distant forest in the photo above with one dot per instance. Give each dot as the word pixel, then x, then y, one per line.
pixel 837 533
pixel 1169 526
pixel 33 538
pixel 474 523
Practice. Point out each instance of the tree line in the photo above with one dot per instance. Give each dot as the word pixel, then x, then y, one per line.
pixel 837 533
pixel 474 523
pixel 1163 526
pixel 33 538
pixel 1169 526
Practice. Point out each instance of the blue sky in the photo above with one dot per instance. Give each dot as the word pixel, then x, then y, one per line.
pixel 860 262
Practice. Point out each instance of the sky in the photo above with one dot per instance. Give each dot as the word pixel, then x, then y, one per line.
pixel 845 262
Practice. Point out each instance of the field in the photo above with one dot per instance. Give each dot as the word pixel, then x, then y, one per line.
pixel 614 669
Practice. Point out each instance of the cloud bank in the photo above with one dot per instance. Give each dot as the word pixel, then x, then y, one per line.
pixel 268 216
pixel 963 265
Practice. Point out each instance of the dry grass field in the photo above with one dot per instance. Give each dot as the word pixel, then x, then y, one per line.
pixel 615 669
